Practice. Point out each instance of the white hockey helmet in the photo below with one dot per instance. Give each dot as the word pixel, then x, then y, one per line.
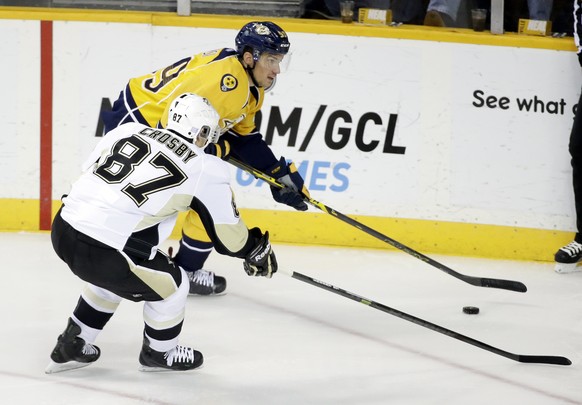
pixel 194 118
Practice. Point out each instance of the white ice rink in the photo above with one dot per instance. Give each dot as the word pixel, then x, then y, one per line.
pixel 281 341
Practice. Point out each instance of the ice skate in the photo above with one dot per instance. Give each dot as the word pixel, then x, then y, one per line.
pixel 71 351
pixel 203 282
pixel 180 358
pixel 568 258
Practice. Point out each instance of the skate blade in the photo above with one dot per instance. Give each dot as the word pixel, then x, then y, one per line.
pixel 148 369
pixel 207 295
pixel 565 268
pixel 53 367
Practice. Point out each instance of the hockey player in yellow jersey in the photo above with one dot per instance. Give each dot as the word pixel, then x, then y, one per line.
pixel 216 74
pixel 234 81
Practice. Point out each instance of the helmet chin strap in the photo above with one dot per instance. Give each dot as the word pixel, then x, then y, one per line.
pixel 180 135
pixel 250 71
pixel 251 74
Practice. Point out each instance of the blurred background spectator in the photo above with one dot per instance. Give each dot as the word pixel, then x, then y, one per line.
pixel 331 8
pixel 441 13
pixel 455 13
pixel 540 9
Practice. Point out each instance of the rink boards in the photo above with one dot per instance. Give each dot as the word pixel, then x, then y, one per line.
pixel 448 141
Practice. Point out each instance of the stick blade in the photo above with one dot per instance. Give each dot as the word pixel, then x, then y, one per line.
pixel 558 360
pixel 504 284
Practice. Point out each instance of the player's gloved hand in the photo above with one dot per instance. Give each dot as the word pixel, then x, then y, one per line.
pixel 261 259
pixel 295 190
pixel 220 149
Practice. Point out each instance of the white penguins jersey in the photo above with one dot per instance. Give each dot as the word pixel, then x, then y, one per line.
pixel 137 180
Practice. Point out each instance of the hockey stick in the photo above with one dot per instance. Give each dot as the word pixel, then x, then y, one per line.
pixel 476 281
pixel 558 360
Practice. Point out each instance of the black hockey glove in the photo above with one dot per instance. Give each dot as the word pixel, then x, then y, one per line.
pixel 220 149
pixel 261 259
pixel 294 191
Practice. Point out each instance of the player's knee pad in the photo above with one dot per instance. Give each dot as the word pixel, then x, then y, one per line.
pixel 100 299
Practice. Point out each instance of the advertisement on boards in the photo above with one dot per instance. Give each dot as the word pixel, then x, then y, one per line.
pixel 377 126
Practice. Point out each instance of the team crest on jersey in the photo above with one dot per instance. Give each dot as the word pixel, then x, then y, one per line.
pixel 228 82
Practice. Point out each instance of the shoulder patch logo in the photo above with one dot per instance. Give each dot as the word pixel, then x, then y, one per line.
pixel 228 82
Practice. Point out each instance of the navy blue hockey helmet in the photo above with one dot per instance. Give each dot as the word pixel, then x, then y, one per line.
pixel 261 36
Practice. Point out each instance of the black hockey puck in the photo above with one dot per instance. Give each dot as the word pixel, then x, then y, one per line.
pixel 471 310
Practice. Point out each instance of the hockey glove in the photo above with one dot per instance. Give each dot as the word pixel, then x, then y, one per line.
pixel 220 149
pixel 294 191
pixel 261 260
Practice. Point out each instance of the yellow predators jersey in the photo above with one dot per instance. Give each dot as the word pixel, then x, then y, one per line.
pixel 217 75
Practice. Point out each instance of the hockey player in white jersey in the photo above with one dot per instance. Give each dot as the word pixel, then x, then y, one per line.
pixel 123 206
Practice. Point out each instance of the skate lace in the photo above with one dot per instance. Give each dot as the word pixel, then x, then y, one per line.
pixel 179 354
pixel 202 277
pixel 573 248
pixel 89 349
